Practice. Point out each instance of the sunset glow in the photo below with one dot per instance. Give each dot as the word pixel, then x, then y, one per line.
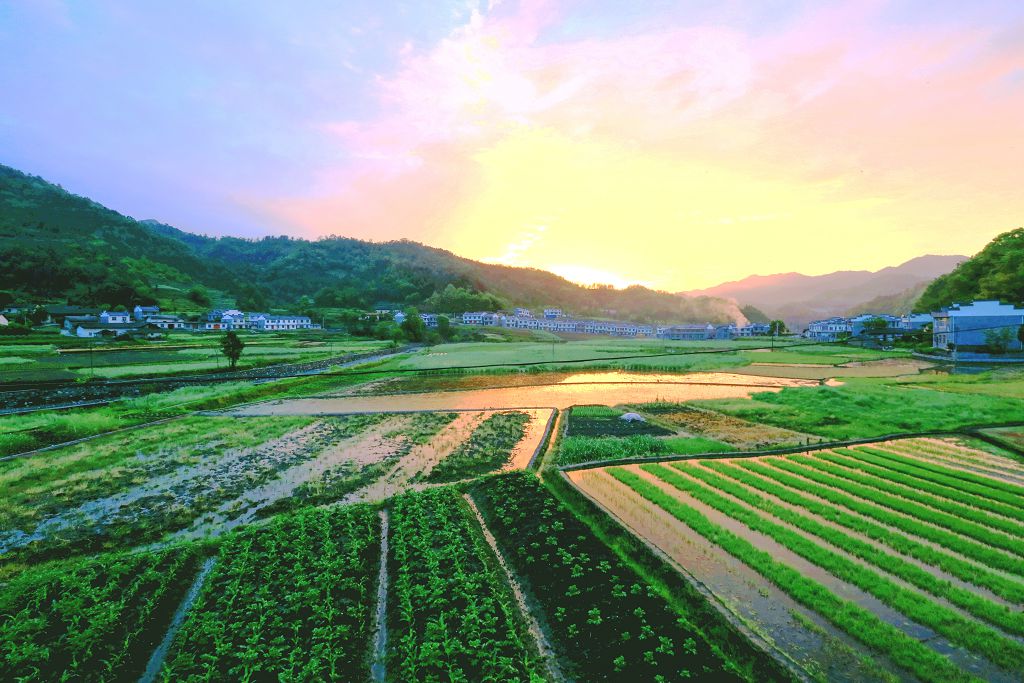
pixel 675 148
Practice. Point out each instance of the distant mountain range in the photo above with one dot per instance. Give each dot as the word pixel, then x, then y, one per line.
pixel 56 246
pixel 798 298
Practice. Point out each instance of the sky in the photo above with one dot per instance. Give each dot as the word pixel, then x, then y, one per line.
pixel 676 145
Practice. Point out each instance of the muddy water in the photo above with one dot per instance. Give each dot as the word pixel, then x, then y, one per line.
pixel 742 591
pixel 419 461
pixel 699 386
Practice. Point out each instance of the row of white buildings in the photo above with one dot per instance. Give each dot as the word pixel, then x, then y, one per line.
pixel 835 329
pixel 149 319
pixel 555 321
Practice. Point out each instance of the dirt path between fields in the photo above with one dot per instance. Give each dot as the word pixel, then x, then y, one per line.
pixel 543 646
pixel 378 670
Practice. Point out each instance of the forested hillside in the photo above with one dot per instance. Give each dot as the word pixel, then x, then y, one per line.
pixel 996 272
pixel 64 247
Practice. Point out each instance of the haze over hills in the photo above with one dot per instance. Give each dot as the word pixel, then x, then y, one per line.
pixel 799 298
pixel 57 246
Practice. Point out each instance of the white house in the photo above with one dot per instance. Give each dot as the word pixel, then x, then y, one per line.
pixel 829 330
pixel 399 317
pixel 480 318
pixel 524 312
pixel 115 318
pixel 688 332
pixel 4 322
pixel 551 313
pixel 166 322
pixel 915 321
pixel 269 323
pixel 970 327
pixel 89 330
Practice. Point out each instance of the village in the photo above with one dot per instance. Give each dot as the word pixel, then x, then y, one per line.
pixel 979 328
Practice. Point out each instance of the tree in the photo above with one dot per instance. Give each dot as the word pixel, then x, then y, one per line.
pixel 199 296
pixel 776 328
pixel 231 346
pixel 998 341
pixel 413 327
pixel 444 327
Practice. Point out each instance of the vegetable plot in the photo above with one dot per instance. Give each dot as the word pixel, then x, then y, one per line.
pixel 602 618
pixel 605 421
pixel 487 449
pixel 92 620
pixel 451 615
pixel 290 601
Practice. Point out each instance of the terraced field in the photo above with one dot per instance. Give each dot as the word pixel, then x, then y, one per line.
pixel 902 559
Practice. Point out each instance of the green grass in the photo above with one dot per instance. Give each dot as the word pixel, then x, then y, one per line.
pixel 576 449
pixel 967 571
pixel 905 651
pixel 693 445
pixel 862 408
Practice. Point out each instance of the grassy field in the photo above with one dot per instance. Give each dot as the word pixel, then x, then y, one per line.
pixel 863 408
pixel 179 353
pixel 878 523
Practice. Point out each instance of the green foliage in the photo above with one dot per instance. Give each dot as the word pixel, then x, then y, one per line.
pixel 291 601
pixel 997 272
pixel 488 448
pixel 604 421
pixel 451 613
pixel 231 346
pixel 92 620
pixel 413 328
pixel 588 597
pixel 777 327
pixel 576 449
pixel 61 246
pixel 754 314
pixel 905 651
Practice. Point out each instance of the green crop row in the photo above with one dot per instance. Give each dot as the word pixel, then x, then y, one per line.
pixel 944 621
pixel 1000 615
pixel 962 546
pixel 603 619
pixel 907 652
pixel 967 571
pixel 850 469
pixel 984 485
pixel 1006 505
pixel 864 463
pixel 92 620
pixel 488 448
pixel 293 600
pixel 451 613
pixel 920 512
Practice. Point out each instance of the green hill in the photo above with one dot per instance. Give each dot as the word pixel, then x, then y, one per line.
pixel 996 272
pixel 63 247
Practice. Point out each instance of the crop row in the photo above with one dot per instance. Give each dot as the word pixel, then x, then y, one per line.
pixel 802 467
pixel 973 483
pixel 941 486
pixel 980 607
pixel 488 448
pixel 907 652
pixel 958 544
pixel 290 601
pixel 944 621
pixel 451 612
pixel 907 545
pixel 92 620
pixel 850 470
pixel 602 618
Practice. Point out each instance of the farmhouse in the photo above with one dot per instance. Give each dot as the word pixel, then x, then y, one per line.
pixel 977 326
pixel 143 312
pixel 266 323
pixel 915 321
pixel 165 322
pixel 552 313
pixel 829 330
pixel 754 330
pixel 688 332
pixel 4 322
pixel 89 330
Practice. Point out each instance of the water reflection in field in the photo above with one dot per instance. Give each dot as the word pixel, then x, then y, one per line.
pixel 592 388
